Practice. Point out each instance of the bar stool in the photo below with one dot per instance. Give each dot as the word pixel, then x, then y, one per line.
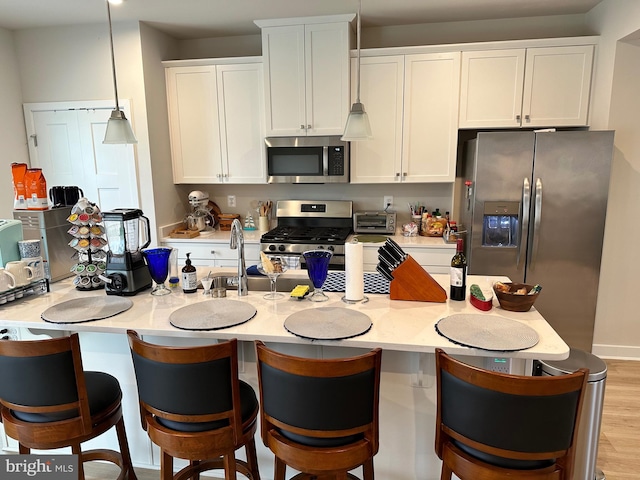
pixel 319 417
pixel 194 407
pixel 496 426
pixel 48 401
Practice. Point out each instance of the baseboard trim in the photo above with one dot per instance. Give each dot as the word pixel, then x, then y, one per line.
pixel 617 352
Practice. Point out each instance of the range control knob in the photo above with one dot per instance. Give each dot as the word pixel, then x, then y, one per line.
pixel 330 247
pixel 272 248
pixel 281 248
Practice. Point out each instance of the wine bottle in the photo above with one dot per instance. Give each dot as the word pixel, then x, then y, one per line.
pixel 189 277
pixel 458 273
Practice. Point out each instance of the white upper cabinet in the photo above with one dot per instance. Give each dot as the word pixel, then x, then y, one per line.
pixel 532 87
pixel 412 103
pixel 306 75
pixel 216 123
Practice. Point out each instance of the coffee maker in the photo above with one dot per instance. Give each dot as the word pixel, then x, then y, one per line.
pixel 126 272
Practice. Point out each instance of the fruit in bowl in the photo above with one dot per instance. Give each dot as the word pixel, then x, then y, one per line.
pixel 516 297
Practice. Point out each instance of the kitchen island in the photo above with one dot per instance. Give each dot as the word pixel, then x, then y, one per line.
pixel 404 330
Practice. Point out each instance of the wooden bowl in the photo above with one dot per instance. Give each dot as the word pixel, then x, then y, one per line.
pixel 516 303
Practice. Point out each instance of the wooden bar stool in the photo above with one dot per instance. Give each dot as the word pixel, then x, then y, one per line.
pixel 194 407
pixel 48 401
pixel 495 426
pixel 319 417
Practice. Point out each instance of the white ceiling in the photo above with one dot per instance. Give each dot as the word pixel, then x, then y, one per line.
pixel 218 18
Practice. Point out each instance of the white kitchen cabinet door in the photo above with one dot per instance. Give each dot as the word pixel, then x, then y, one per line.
pixel 327 78
pixel 556 86
pixel 193 124
pixel 533 87
pixel 491 88
pixel 430 125
pixel 241 114
pixel 216 121
pixel 306 78
pixel 381 91
pixel 412 103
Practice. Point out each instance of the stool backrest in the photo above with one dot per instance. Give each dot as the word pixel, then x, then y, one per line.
pixel 43 382
pixel 335 398
pixel 196 384
pixel 508 420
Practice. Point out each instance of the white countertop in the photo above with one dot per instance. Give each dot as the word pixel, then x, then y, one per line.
pixel 253 236
pixel 397 325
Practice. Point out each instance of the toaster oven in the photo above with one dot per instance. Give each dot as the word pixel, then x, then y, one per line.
pixel 374 222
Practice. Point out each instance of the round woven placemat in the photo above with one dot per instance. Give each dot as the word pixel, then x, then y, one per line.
pixel 212 315
pixel 327 323
pixel 86 309
pixel 487 332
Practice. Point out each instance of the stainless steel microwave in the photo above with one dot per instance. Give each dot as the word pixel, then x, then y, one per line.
pixel 307 160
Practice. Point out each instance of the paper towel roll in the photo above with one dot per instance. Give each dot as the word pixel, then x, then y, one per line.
pixel 354 271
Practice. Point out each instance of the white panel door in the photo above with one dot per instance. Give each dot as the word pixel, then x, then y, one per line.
pixel 66 142
pixel 109 170
pixel 56 146
pixel 378 160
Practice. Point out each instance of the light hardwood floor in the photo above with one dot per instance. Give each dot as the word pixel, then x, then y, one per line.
pixel 619 447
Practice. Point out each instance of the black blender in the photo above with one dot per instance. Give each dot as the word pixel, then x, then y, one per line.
pixel 126 272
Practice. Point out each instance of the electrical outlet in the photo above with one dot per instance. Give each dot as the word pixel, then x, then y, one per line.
pixel 231 200
pixel 388 202
pixel 498 364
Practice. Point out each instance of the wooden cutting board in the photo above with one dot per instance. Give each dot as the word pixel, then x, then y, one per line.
pixel 412 282
pixel 180 233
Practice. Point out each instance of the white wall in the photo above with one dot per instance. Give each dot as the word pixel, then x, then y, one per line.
pixel 616 103
pixel 13 139
pixel 74 63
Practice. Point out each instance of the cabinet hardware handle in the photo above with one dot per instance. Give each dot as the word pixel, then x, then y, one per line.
pixel 308 127
pixel 397 174
pixel 404 174
pixel 213 252
pixel 517 118
pixel 301 127
pixel 527 118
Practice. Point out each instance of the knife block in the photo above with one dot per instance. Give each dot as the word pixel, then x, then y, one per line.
pixel 412 282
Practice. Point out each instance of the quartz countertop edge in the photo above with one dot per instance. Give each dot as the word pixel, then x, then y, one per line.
pixel 405 326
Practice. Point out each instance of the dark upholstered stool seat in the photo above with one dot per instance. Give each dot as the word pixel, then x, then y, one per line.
pixel 194 407
pixel 102 391
pixel 319 417
pixel 48 401
pixel 497 426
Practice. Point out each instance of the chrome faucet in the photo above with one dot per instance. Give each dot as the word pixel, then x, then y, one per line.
pixel 237 242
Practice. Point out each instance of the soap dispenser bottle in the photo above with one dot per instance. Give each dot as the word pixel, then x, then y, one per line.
pixel 189 277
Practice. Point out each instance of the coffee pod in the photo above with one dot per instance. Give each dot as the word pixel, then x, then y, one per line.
pixel 30 248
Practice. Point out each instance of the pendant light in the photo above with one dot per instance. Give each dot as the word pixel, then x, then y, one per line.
pixel 118 127
pixel 357 127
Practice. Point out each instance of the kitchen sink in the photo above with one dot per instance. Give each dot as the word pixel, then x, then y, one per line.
pixel 261 284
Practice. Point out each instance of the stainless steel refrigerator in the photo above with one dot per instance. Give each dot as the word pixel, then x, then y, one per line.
pixel 534 206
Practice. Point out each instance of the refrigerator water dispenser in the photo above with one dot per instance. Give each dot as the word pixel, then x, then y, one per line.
pixel 500 224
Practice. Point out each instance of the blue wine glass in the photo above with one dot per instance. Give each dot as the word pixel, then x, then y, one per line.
pixel 158 262
pixel 318 268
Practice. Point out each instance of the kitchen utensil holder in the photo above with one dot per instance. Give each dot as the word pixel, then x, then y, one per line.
pixel 412 282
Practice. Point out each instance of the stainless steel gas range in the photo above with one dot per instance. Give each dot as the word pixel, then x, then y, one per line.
pixel 309 225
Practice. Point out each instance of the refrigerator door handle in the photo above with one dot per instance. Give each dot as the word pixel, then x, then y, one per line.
pixel 537 214
pixel 524 218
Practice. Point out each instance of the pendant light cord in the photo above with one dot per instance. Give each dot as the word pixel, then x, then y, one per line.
pixel 358 53
pixel 113 58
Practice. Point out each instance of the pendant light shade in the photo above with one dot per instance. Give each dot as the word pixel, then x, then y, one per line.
pixel 358 127
pixel 118 127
